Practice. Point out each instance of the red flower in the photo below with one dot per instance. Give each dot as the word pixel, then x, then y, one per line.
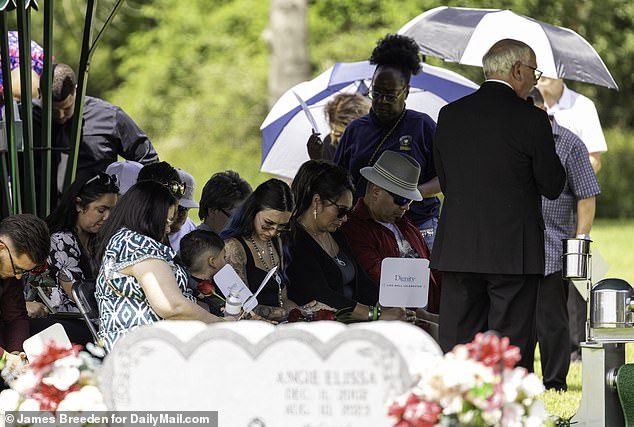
pixel 324 315
pixel 493 351
pixel 414 412
pixel 206 287
pixel 40 269
pixel 295 315
pixel 52 353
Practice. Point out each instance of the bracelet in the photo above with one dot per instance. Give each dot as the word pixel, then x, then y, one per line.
pixel 376 313
pixel 370 313
pixel 3 360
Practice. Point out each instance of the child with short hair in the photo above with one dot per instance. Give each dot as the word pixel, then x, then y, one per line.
pixel 203 254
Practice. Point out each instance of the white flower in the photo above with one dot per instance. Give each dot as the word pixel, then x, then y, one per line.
pixel 492 417
pixel 512 414
pixel 9 400
pixel 25 382
pixel 532 385
pixel 30 405
pixel 88 398
pixel 64 374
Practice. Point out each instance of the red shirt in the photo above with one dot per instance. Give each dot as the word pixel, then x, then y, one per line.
pixel 371 242
pixel 14 321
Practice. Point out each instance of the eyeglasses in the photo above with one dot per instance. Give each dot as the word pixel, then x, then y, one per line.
pixel 537 74
pixel 103 179
pixel 176 188
pixel 16 272
pixel 341 210
pixel 389 98
pixel 399 200
pixel 227 214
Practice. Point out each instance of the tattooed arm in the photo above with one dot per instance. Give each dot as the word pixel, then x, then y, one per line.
pixel 235 256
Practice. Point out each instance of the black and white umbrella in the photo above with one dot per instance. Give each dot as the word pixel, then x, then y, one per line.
pixel 464 35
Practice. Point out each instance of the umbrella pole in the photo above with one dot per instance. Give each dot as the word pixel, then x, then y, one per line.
pixel 82 82
pixel 9 114
pixel 46 80
pixel 24 34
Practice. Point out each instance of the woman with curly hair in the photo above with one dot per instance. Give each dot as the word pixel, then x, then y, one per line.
pixel 391 127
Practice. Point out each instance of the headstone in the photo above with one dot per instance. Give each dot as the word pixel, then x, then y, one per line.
pixel 318 374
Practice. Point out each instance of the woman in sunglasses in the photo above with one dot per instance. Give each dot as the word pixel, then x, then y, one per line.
pixel 321 264
pixel 253 246
pixel 73 224
pixel 138 282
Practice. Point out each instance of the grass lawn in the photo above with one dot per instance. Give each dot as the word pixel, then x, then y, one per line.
pixel 612 238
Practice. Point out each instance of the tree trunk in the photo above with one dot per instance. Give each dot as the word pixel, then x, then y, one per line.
pixel 288 46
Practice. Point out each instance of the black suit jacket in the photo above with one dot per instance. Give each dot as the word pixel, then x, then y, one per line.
pixel 495 156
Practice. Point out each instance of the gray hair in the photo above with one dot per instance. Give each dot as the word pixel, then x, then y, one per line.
pixel 501 57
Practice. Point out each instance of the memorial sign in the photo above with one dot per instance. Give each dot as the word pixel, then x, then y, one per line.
pixel 319 374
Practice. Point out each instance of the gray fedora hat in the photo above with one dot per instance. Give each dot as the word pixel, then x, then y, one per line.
pixel 395 172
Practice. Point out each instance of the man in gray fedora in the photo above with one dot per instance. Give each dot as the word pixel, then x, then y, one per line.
pixel 377 227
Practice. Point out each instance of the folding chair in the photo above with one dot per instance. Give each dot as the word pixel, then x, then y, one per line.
pixel 84 294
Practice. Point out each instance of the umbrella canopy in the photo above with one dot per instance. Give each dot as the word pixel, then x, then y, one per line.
pixel 37 56
pixel 464 35
pixel 287 127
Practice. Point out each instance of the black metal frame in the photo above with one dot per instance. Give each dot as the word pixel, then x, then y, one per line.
pixel 16 196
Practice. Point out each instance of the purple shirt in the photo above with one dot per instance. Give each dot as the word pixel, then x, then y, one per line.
pixel 560 215
pixel 413 136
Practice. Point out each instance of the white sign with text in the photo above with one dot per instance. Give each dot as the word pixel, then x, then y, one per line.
pixel 404 282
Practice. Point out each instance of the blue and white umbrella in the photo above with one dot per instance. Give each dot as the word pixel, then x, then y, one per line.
pixel 287 128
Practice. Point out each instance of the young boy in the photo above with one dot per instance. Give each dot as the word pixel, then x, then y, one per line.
pixel 203 253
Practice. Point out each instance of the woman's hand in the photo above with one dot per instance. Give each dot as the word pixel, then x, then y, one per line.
pixel 36 309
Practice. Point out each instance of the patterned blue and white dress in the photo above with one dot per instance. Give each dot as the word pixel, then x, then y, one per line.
pixel 128 307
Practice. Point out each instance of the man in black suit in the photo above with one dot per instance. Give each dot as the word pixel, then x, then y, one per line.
pixel 495 157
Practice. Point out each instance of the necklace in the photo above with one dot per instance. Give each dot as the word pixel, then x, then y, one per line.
pixel 331 246
pixel 261 253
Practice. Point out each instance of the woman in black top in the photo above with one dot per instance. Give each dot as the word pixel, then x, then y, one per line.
pixel 321 265
pixel 253 247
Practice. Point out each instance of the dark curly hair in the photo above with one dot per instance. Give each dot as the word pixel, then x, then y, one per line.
pixel 397 51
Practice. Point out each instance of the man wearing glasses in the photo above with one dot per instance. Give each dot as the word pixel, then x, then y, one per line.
pixel 377 228
pixel 24 244
pixel 495 157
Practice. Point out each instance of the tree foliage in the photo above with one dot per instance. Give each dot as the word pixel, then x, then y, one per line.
pixel 193 73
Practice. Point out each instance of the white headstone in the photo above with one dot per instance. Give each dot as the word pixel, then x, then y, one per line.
pixel 314 374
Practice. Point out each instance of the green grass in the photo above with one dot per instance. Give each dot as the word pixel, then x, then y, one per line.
pixel 613 238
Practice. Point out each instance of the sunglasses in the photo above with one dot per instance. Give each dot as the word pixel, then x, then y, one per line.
pixel 176 188
pixel 279 228
pixel 16 272
pixel 103 179
pixel 399 200
pixel 341 210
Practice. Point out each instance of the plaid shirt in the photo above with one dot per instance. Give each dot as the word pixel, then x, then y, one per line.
pixel 560 215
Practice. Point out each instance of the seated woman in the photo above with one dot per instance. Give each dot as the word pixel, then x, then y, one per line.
pixel 80 214
pixel 321 265
pixel 253 247
pixel 138 282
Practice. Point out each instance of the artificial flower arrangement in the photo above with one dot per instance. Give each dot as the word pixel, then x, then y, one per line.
pixel 476 384
pixel 59 379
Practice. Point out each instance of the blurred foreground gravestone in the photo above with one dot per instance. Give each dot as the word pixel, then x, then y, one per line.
pixel 255 374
